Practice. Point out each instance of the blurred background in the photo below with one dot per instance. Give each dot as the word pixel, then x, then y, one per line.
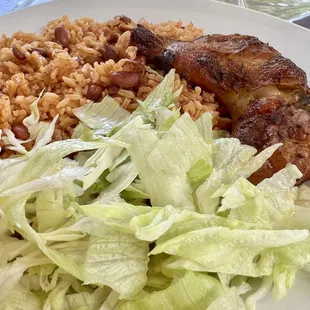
pixel 287 9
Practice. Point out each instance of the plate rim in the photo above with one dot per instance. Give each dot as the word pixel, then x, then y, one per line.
pixel 275 21
pixel 214 2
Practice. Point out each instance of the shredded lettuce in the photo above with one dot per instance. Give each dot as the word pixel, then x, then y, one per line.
pixel 192 291
pixel 227 250
pixel 260 293
pixel 118 260
pixel 103 116
pixel 150 226
pixel 162 96
pixel 21 296
pixel 180 148
pixel 153 210
pixel 231 300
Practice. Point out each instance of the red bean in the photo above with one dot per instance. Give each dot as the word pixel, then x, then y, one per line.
pixel 61 36
pixel 112 38
pixel 18 53
pixel 94 92
pixel 17 235
pixel 91 59
pixel 20 131
pixel 124 18
pixel 112 90
pixel 40 51
pixel 125 79
pixel 107 52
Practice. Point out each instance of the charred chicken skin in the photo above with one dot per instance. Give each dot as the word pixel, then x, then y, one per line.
pixel 265 93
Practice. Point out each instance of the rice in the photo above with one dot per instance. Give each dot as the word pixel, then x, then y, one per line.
pixel 66 75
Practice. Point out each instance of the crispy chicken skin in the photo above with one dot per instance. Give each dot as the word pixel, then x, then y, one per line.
pixel 268 121
pixel 265 93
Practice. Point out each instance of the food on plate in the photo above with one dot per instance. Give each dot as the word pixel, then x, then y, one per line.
pixel 111 198
pixel 76 62
pixel 265 93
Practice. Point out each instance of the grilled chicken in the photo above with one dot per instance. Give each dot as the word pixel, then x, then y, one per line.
pixel 268 121
pixel 265 93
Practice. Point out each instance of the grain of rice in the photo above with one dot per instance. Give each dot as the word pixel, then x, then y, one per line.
pixel 127 93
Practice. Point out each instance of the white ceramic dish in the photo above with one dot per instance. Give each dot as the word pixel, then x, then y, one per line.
pixel 293 41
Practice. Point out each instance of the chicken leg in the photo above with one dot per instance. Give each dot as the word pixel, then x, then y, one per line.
pixel 265 93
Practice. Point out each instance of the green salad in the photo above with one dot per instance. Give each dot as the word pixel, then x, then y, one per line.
pixel 149 210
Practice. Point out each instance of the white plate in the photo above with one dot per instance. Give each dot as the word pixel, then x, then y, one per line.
pixel 293 41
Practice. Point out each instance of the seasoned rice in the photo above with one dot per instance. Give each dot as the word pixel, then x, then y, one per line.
pixel 66 75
